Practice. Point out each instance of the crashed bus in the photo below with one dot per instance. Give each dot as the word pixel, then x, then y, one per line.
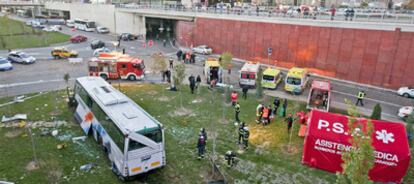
pixel 132 139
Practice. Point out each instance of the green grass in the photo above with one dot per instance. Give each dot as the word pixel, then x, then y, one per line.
pixel 15 34
pixel 265 162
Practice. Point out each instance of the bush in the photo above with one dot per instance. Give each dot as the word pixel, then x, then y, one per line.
pixel 376 113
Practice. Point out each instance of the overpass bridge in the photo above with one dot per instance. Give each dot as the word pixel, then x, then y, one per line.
pixel 5 3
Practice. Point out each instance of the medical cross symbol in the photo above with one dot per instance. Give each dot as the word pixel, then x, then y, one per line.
pixel 384 136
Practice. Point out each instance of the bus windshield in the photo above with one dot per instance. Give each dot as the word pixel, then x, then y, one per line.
pixel 293 81
pixel 154 135
pixel 268 77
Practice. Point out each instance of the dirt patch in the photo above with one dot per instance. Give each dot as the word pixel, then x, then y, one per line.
pixel 32 165
pixel 182 112
pixel 164 99
pixel 13 133
pixel 55 112
pixel 152 92
pixel 224 121
pixel 289 150
pixel 197 100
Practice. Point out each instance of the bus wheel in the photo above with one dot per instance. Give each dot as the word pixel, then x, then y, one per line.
pixel 132 78
pixel 105 77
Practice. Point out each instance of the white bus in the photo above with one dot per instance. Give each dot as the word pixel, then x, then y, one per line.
pixel 85 25
pixel 132 139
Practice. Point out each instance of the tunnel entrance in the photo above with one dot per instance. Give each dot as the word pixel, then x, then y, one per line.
pixel 159 28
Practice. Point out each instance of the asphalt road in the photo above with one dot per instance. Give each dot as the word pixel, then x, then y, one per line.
pixel 47 74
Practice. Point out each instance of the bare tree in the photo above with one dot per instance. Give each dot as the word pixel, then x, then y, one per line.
pixel 178 78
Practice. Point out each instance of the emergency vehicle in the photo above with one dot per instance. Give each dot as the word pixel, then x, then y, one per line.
pixel 271 78
pixel 296 80
pixel 319 95
pixel 116 65
pixel 212 70
pixel 248 74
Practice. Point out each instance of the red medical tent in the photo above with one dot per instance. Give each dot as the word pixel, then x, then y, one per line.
pixel 327 137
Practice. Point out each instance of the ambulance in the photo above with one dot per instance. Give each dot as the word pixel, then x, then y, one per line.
pixel 212 70
pixel 271 78
pixel 116 65
pixel 248 74
pixel 296 80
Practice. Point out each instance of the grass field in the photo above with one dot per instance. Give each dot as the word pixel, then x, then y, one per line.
pixel 267 160
pixel 15 34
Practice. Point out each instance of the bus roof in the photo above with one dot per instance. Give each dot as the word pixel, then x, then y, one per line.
pixel 250 67
pixel 297 72
pixel 271 71
pixel 124 112
pixel 212 63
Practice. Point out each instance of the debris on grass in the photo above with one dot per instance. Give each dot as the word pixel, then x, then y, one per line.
pixel 13 133
pixel 55 133
pixel 198 100
pixel 164 99
pixel 61 146
pixel 80 138
pixel 32 165
pixel 6 182
pixel 36 124
pixel 13 118
pixel 182 112
pixel 86 167
pixel 19 99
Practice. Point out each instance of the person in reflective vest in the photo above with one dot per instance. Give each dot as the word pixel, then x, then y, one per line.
pixel 259 112
pixel 265 115
pixel 246 135
pixel 360 97
pixel 234 97
pixel 237 111
pixel 241 132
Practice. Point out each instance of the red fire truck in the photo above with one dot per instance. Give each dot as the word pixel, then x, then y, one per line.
pixel 116 65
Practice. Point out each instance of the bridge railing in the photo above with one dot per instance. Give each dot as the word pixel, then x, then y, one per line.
pixel 381 16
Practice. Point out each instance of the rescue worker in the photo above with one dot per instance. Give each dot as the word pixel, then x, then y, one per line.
pixel 191 79
pixel 245 89
pixel 276 104
pixel 360 96
pixel 171 63
pixel 237 111
pixel 179 54
pixel 259 112
pixel 241 132
pixel 198 82
pixel 284 108
pixel 201 145
pixel 164 43
pixel 229 156
pixel 246 135
pixel 289 121
pixel 203 133
pixel 270 117
pixel 233 97
pixel 265 115
pixel 192 58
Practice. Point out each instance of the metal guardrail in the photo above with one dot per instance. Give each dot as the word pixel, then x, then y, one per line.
pixel 382 17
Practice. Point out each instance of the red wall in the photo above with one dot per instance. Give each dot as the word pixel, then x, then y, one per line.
pixel 381 58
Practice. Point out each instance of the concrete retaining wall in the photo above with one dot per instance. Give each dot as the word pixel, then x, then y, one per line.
pixel 376 57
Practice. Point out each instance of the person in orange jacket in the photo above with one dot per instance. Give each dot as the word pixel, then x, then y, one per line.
pixel 265 115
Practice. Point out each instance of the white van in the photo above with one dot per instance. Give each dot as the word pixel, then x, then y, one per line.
pixel 70 23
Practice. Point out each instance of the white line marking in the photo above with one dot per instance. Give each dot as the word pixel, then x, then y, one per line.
pixel 378 101
pixel 29 83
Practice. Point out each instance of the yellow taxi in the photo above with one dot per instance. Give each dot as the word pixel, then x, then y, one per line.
pixel 62 52
pixel 271 78
pixel 296 80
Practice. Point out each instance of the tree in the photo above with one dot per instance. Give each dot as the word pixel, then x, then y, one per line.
pixel 66 77
pixel 364 4
pixel 376 113
pixel 159 65
pixel 259 88
pixel 410 128
pixel 178 78
pixel 360 158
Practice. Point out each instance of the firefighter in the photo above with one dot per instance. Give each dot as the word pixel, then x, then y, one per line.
pixel 230 156
pixel 201 145
pixel 237 111
pixel 289 121
pixel 360 96
pixel 234 97
pixel 241 132
pixel 192 82
pixel 245 89
pixel 203 133
pixel 246 135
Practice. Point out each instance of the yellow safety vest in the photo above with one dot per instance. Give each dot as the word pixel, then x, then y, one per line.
pixel 361 95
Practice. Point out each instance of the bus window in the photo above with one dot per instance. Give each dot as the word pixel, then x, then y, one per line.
pixel 111 129
pixel 154 135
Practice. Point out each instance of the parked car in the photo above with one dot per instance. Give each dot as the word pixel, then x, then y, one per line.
pixel 29 22
pixel 203 49
pixel 48 29
pixel 102 30
pixel 406 92
pixel 405 111
pixel 70 23
pixel 21 57
pixel 97 44
pixel 5 64
pixel 62 52
pixel 128 37
pixel 96 52
pixel 78 39
pixel 56 27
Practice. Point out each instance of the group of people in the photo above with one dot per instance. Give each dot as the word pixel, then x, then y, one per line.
pixel 265 113
pixel 187 57
pixel 194 82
